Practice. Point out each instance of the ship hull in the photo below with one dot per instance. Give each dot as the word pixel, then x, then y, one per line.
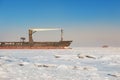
pixel 35 45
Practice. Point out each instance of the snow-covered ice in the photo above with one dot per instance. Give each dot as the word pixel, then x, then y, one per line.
pixel 60 64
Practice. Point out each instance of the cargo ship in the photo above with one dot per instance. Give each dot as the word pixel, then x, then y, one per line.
pixel 31 44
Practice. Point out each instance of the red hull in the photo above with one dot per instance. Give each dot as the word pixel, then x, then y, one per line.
pixel 35 48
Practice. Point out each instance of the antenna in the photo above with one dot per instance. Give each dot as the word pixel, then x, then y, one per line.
pixel 23 39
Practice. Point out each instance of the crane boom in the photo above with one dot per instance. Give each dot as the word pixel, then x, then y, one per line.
pixel 47 29
pixel 31 31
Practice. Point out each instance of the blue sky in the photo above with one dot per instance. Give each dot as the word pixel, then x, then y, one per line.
pixel 86 22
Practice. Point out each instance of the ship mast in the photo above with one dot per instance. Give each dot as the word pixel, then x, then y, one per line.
pixel 61 34
pixel 31 31
pixel 30 36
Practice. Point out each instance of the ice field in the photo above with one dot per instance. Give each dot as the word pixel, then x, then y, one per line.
pixel 60 64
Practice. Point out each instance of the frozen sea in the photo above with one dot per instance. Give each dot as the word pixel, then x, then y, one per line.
pixel 60 64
